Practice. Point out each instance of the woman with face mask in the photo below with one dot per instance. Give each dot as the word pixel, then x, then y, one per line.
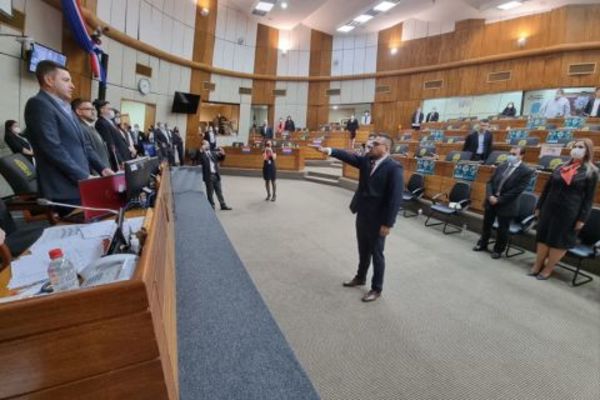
pixel 564 207
pixel 15 141
pixel 269 170
pixel 510 110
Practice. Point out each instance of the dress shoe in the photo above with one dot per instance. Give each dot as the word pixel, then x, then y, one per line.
pixel 541 277
pixel 354 282
pixel 480 248
pixel 496 255
pixel 530 273
pixel 273 198
pixel 226 208
pixel 371 296
pixel 268 198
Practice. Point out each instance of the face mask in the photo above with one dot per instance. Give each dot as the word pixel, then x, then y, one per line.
pixel 111 114
pixel 16 130
pixel 117 120
pixel 512 159
pixel 577 153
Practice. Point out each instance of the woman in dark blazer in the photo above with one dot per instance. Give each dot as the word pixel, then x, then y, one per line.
pixel 16 142
pixel 510 110
pixel 564 207
pixel 269 170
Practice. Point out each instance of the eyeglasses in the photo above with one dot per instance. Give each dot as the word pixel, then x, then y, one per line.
pixel 86 108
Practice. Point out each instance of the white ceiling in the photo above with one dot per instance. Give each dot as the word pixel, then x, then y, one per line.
pixel 328 15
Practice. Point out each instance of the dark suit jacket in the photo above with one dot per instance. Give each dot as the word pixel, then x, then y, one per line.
pixel 290 126
pixel 589 108
pixel 205 163
pixel 413 116
pixel 352 125
pixel 63 152
pixel 509 112
pixel 431 117
pixel 378 196
pixel 17 143
pixel 266 133
pixel 516 183
pixel 472 143
pixel 97 143
pixel 114 143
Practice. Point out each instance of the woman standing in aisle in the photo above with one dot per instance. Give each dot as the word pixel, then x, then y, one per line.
pixel 269 170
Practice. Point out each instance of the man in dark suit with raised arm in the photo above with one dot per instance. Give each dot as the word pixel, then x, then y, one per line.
pixel 501 199
pixel 209 159
pixel 376 204
pixel 479 142
pixel 63 152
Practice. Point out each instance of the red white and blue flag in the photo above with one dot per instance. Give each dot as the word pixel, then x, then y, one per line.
pixel 74 17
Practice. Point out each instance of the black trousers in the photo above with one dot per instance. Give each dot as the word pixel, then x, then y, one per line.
pixel 213 185
pixel 501 233
pixel 370 246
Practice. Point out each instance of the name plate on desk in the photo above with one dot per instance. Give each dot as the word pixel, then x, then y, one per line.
pixel 246 149
pixel 286 150
pixel 317 142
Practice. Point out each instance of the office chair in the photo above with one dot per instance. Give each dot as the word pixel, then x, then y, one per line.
pixel 400 149
pixel 522 223
pixel 528 141
pixel 453 139
pixel 458 202
pixel 550 163
pixel 496 157
pixel 456 156
pixel 415 188
pixel 18 239
pixel 425 151
pixel 587 249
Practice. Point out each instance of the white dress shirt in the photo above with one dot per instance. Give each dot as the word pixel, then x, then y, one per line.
pixel 555 108
pixel 595 107
pixel 481 143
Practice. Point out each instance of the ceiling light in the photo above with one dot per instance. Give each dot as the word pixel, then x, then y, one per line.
pixel 510 5
pixel 384 6
pixel 393 50
pixel 284 5
pixel 361 19
pixel 345 28
pixel 264 6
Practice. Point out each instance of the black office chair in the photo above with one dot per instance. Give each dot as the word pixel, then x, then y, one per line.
pixel 588 249
pixel 425 151
pixel 413 192
pixel 18 239
pixel 522 223
pixel 460 197
pixel 400 149
pixel 529 141
pixel 550 163
pixel 496 157
pixel 453 139
pixel 456 156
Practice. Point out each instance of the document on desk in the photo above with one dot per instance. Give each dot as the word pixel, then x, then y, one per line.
pixel 28 270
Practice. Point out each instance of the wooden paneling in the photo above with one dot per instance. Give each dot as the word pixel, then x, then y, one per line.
pixel 236 158
pixel 204 44
pixel 321 45
pixel 265 63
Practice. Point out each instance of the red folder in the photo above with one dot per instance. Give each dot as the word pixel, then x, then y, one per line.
pixel 103 192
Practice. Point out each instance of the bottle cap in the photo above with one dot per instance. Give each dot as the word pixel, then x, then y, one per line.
pixel 55 253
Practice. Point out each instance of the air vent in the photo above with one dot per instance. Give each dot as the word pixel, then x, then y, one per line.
pixel 142 69
pixel 333 92
pixel 582 69
pixel 245 90
pixel 279 92
pixel 499 76
pixel 208 86
pixel 383 89
pixel 434 84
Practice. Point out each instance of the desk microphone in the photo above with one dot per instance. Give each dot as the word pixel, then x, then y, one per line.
pixel 46 202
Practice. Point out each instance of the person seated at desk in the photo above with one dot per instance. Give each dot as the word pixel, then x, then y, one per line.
pixel 479 142
pixel 509 110
pixel 17 143
pixel 433 116
pixel 592 109
pixel 290 126
pixel 64 154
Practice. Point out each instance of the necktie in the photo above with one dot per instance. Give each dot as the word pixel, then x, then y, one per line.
pixel 372 167
pixel 505 176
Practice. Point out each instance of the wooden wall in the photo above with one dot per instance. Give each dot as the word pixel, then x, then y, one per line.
pixel 265 62
pixel 204 43
pixel 321 45
pixel 474 39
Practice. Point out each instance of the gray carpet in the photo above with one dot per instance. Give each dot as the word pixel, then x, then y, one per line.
pixel 229 345
pixel 451 324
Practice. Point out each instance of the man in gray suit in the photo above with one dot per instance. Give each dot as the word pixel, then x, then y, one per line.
pixel 63 152
pixel 87 118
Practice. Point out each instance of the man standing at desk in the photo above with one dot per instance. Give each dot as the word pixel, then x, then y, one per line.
pixel 376 204
pixel 479 142
pixel 63 152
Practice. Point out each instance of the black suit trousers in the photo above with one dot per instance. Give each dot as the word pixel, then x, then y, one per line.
pixel 370 246
pixel 489 217
pixel 213 185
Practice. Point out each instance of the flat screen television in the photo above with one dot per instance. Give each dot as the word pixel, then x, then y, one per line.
pixel 41 53
pixel 185 103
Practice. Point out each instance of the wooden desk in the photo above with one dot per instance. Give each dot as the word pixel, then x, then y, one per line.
pixel 116 341
pixel 253 159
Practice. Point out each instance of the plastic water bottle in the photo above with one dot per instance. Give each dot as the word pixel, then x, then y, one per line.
pixel 61 272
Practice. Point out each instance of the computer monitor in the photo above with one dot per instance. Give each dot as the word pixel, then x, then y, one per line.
pixel 138 174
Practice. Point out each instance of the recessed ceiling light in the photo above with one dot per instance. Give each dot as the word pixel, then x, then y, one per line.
pixel 510 5
pixel 284 5
pixel 393 50
pixel 361 19
pixel 345 28
pixel 264 6
pixel 384 6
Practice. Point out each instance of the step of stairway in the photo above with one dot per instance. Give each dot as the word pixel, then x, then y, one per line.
pixel 323 181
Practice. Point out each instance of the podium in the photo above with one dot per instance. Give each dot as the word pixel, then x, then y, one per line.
pixel 116 341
